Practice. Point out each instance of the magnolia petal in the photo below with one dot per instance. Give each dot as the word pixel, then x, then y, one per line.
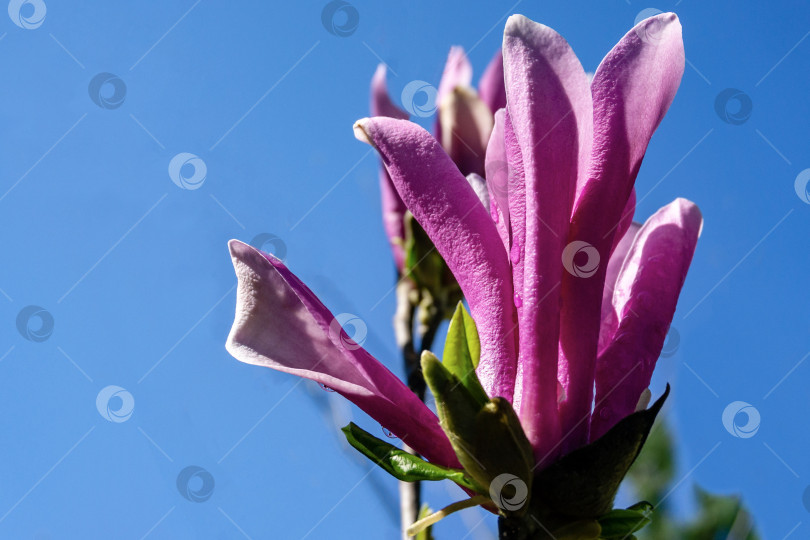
pixel 610 320
pixel 516 187
pixel 393 209
pixel 626 232
pixel 460 227
pixel 645 298
pixel 282 325
pixel 457 72
pixel 548 99
pixel 497 169
pixel 625 221
pixel 632 89
pixel 479 185
pixel 381 103
pixel 466 123
pixel 491 87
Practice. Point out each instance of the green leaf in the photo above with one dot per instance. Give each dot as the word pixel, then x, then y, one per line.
pixel 399 463
pixel 620 524
pixel 473 343
pixel 488 438
pixel 501 448
pixel 642 506
pixel 462 351
pixel 584 483
pixel 455 406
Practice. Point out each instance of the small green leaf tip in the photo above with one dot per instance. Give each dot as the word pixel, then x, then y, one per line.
pixel 457 408
pixel 618 524
pixel 398 463
pixel 462 351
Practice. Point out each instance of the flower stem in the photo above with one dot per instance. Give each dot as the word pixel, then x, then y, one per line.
pixel 410 492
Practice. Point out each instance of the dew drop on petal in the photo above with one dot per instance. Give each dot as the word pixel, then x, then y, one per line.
pixel 388 433
pixel 326 387
pixel 518 300
pixel 495 216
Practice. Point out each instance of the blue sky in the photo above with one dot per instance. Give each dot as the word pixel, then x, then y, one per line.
pixel 133 270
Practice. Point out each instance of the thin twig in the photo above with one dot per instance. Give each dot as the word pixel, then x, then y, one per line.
pixel 410 492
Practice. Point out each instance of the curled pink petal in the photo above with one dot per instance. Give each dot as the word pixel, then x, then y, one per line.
pixel 282 325
pixel 448 209
pixel 491 86
pixel 646 294
pixel 632 89
pixel 393 209
pixel 549 106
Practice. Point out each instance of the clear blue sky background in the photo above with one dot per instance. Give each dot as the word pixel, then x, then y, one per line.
pixel 136 274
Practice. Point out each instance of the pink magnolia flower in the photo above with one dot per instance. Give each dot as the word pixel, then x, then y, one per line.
pixel 574 150
pixel 546 318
